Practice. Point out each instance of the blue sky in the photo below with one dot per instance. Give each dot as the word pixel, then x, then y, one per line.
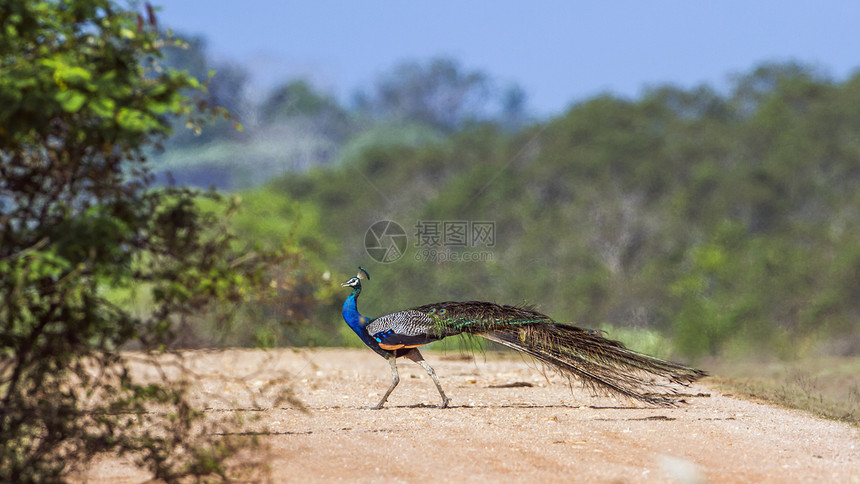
pixel 559 52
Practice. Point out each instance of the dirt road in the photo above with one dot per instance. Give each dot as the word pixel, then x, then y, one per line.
pixel 507 423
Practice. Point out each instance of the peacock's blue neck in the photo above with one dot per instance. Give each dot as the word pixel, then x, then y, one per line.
pixel 351 315
pixel 357 322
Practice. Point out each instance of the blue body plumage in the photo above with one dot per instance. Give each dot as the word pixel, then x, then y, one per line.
pixel 358 323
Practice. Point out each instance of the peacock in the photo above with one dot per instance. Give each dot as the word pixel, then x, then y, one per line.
pixel 598 362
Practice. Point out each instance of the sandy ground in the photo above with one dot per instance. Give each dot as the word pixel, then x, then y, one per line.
pixel 507 423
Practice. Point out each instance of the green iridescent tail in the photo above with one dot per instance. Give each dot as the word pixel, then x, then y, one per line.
pixel 598 362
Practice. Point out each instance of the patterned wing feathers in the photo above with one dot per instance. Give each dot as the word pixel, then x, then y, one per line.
pixel 404 329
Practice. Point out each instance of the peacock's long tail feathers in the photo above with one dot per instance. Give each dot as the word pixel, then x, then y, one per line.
pixel 598 362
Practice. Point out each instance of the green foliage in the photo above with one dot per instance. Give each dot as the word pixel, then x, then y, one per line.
pixel 437 93
pixel 648 341
pixel 298 99
pixel 82 100
pixel 299 288
pixel 725 222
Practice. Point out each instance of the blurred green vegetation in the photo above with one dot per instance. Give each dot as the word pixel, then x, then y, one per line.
pixel 95 260
pixel 700 222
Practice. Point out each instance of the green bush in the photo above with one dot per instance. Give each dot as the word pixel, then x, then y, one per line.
pixel 82 101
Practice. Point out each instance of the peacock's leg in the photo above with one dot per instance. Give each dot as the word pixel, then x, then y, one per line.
pixel 395 379
pixel 415 356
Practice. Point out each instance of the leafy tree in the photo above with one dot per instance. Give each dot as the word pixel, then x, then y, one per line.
pixel 225 90
pixel 438 93
pixel 82 101
pixel 298 101
pixel 513 107
pixel 297 98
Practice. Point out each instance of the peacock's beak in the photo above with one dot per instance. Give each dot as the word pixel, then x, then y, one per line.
pixel 345 284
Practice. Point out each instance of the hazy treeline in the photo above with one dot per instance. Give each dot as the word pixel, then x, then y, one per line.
pixel 295 125
pixel 727 222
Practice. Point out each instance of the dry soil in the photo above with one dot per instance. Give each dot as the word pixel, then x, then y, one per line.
pixel 507 422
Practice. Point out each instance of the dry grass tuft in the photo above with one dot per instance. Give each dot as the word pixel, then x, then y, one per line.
pixel 827 387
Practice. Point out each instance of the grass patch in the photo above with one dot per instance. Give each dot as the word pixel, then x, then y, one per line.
pixel 647 341
pixel 826 387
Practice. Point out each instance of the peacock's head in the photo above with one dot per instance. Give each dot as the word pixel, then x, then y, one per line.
pixel 352 282
pixel 355 282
